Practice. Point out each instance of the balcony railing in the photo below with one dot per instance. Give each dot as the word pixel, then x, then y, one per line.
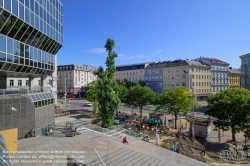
pixel 14 91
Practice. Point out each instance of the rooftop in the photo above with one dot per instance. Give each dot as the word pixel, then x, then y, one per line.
pixel 214 60
pixel 245 55
pixel 135 64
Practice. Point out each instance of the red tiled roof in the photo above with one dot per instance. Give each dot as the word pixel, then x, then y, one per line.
pixel 213 60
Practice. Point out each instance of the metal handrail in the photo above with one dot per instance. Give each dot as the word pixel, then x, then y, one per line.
pixel 99 157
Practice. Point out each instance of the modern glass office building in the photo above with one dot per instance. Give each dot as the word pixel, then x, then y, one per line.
pixel 31 33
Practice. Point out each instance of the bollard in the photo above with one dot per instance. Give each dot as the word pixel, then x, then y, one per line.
pixel 157 139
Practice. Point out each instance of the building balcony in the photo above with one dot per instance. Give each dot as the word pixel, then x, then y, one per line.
pixel 14 91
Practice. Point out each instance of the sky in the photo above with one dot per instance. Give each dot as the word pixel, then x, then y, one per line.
pixel 154 30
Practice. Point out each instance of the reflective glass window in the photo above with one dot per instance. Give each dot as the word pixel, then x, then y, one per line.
pixel 36 40
pixel 2 56
pixel 15 28
pixel 41 12
pixel 9 58
pixel 33 35
pixel 27 3
pixel 27 62
pixel 44 15
pixel 27 15
pixel 41 25
pixel 32 22
pixel 27 34
pixel 39 55
pixel 29 38
pixel 31 53
pixel 21 11
pixel 8 25
pixel 35 54
pixel 16 59
pixel 31 62
pixel 27 51
pixel 21 31
pixel 16 48
pixel 22 50
pixel 15 7
pixel 36 8
pixel 37 22
pixel 35 63
pixel 32 5
pixel 39 64
pixel 22 61
pixel 2 43
pixel 44 42
pixel 7 5
pixel 3 18
pixel 9 45
pixel 39 43
pixel 42 56
pixel 22 1
pixel 1 2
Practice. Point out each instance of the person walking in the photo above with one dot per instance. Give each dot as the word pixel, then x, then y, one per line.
pixel 178 150
pixel 202 149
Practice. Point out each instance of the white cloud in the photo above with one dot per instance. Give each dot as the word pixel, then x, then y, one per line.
pixel 126 57
pixel 97 50
pixel 157 52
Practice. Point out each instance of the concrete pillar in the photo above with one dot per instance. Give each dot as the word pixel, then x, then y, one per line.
pixel 157 139
pixel 31 82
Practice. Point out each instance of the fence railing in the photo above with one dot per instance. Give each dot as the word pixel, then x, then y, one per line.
pixel 12 91
pixel 108 132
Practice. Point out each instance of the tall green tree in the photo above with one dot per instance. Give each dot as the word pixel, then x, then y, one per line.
pixel 107 89
pixel 91 93
pixel 176 100
pixel 231 107
pixel 139 96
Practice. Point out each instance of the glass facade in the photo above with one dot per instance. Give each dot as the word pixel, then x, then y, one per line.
pixel 31 33
pixel 4 156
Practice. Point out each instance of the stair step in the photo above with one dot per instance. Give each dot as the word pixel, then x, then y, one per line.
pixel 123 159
pixel 131 159
pixel 145 162
pixel 159 162
pixel 117 157
pixel 142 156
pixel 97 161
pixel 153 162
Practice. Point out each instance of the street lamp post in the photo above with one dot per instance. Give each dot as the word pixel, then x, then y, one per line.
pixel 192 87
pixel 65 91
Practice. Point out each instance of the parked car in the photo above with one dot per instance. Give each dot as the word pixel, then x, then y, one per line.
pixel 88 104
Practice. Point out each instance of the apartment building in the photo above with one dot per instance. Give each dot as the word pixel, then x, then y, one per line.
pixel 132 72
pixel 234 78
pixel 154 76
pixel 245 71
pixel 189 73
pixel 74 77
pixel 220 73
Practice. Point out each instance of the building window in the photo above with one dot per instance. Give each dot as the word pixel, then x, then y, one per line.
pixel 11 82
pixel 172 70
pixel 168 70
pixel 19 82
pixel 177 70
pixel 184 84
pixel 27 83
pixel 177 77
pixel 184 76
pixel 192 69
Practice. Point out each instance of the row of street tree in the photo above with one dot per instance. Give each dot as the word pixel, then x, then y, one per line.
pixel 231 107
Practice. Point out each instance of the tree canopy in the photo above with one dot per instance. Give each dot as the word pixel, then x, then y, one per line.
pixel 107 89
pixel 139 96
pixel 231 107
pixel 176 100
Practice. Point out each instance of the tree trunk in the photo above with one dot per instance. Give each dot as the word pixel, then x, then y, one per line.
pixel 141 111
pixel 175 118
pixel 233 134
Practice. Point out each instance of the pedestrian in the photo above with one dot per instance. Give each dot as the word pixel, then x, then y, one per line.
pixel 173 149
pixel 138 126
pixel 124 140
pixel 202 149
pixel 178 150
